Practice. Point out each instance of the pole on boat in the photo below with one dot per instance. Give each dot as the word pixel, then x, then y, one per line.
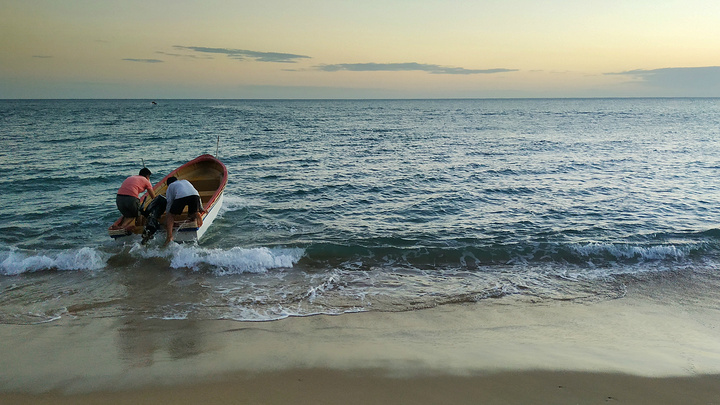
pixel 217 148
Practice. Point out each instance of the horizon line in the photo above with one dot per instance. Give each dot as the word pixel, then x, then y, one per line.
pixel 361 98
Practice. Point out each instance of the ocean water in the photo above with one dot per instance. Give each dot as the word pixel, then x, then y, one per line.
pixel 337 206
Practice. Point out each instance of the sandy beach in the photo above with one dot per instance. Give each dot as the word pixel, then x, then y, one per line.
pixel 313 386
pixel 633 351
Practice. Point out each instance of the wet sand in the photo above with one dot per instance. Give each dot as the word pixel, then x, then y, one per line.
pixel 637 351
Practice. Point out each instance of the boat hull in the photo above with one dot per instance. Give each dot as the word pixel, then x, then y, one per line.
pixel 192 232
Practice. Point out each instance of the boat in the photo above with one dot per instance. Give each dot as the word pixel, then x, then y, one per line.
pixel 209 177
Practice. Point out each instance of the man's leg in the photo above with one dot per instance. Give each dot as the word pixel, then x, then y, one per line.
pixel 198 211
pixel 169 228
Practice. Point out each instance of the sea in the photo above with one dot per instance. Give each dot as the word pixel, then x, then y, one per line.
pixel 345 206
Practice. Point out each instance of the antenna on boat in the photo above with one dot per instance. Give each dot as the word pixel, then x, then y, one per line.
pixel 143 161
pixel 217 148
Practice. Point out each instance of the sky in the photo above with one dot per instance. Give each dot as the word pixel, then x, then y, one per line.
pixel 159 49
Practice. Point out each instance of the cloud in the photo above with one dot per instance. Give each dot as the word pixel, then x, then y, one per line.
pixel 178 55
pixel 243 54
pixel 690 81
pixel 144 60
pixel 405 67
pixel 43 56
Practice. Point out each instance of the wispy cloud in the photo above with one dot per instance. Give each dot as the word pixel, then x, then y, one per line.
pixel 143 60
pixel 180 55
pixel 693 80
pixel 243 54
pixel 43 56
pixel 409 66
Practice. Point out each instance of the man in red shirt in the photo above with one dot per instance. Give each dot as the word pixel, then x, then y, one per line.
pixel 128 196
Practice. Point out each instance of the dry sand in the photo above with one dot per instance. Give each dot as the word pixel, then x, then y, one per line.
pixel 313 386
pixel 632 351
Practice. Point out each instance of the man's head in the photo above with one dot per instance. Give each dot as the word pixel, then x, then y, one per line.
pixel 171 180
pixel 145 172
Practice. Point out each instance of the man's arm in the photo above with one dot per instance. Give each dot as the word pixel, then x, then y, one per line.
pixel 149 188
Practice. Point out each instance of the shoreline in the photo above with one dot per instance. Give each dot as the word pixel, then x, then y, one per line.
pixel 519 352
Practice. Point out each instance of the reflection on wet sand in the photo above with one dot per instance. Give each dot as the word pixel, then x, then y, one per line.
pixel 145 338
pixel 142 342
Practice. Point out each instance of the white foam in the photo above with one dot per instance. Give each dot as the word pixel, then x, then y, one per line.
pixel 327 285
pixel 225 261
pixel 16 262
pixel 663 252
pixel 234 203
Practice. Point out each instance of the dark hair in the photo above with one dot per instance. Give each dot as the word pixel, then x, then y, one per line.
pixel 171 180
pixel 145 171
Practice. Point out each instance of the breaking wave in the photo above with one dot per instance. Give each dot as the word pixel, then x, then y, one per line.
pixel 16 261
pixel 361 255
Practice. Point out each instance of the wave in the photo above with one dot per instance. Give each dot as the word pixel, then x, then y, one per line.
pixel 476 254
pixel 15 261
pixel 628 252
pixel 233 203
pixel 223 261
pixel 367 254
pixel 235 260
pixel 268 283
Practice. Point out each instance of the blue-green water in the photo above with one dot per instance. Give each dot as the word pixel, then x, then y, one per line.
pixel 343 206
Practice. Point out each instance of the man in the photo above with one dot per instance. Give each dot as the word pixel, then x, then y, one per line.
pixel 128 197
pixel 181 194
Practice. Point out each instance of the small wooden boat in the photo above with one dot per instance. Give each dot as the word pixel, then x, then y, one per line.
pixel 209 177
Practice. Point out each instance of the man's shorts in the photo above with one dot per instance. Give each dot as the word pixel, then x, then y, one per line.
pixel 128 205
pixel 192 202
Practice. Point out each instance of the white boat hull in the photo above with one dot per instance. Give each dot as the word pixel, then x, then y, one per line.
pixel 192 233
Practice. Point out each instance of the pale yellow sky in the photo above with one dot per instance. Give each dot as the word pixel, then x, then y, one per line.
pixel 352 49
